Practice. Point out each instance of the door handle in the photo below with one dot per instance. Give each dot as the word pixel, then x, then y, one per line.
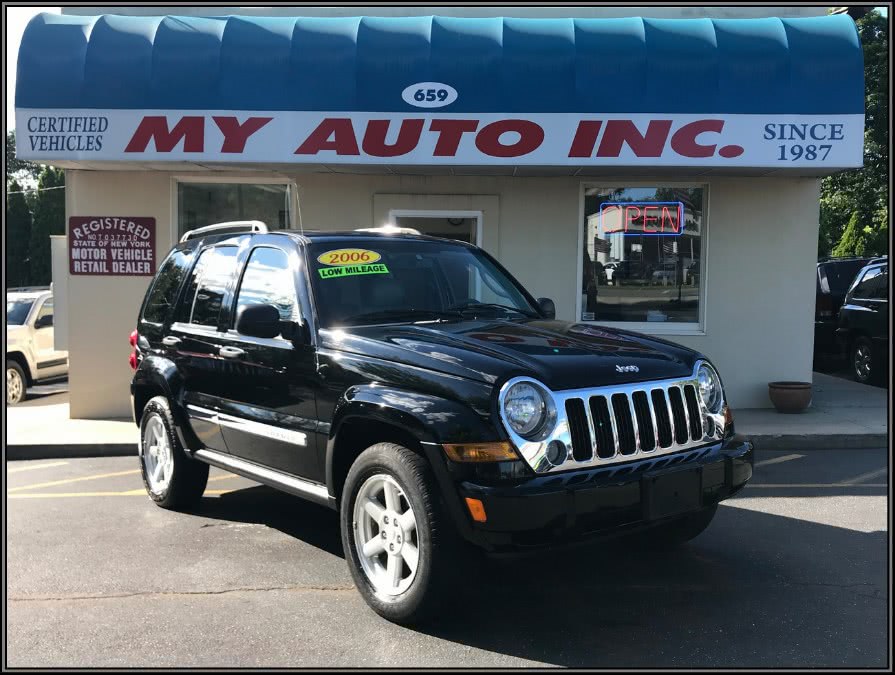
pixel 171 341
pixel 231 352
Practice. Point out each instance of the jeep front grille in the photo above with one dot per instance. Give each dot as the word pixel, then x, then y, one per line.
pixel 640 421
pixel 622 423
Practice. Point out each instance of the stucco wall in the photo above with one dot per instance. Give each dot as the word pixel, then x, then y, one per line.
pixel 761 249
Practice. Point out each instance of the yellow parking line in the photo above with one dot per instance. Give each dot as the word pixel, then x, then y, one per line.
pixel 31 467
pixel 128 493
pixel 72 480
pixel 224 477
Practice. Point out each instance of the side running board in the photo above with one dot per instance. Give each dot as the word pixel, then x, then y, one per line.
pixel 262 474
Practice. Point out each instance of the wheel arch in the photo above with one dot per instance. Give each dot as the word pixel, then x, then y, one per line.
pixel 159 377
pixel 19 357
pixel 368 414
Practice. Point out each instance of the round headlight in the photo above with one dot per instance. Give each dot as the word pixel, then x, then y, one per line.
pixel 710 388
pixel 525 408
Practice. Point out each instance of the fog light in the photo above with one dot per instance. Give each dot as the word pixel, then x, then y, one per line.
pixel 556 452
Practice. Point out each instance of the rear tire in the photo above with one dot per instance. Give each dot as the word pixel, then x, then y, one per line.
pixel 864 363
pixel 171 478
pixel 425 556
pixel 676 533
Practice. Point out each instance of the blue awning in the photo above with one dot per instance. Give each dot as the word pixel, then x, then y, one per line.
pixel 803 66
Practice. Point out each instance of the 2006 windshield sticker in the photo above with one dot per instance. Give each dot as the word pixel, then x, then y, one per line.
pixel 348 262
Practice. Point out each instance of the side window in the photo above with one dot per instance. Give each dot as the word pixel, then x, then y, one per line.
pixel 868 287
pixel 163 294
pixel 882 292
pixel 268 279
pixel 45 315
pixel 208 283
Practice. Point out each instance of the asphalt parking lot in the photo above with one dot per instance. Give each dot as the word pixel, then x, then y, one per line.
pixel 792 572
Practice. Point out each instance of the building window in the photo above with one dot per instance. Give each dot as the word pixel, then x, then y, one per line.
pixel 201 204
pixel 642 260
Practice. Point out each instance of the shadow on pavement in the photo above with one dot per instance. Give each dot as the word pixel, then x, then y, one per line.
pixel 755 589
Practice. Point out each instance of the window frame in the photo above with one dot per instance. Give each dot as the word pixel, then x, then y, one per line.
pixel 238 179
pixel 184 285
pixel 649 327
pixel 230 323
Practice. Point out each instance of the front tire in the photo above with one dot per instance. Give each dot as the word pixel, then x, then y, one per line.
pixel 16 383
pixel 171 479
pixel 400 548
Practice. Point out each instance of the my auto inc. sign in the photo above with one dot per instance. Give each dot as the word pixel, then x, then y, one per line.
pixel 431 138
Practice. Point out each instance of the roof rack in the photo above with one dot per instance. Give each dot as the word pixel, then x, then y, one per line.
pixel 234 226
pixel 28 289
pixel 389 229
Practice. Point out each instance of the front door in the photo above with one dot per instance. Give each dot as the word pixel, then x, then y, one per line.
pixel 50 363
pixel 268 415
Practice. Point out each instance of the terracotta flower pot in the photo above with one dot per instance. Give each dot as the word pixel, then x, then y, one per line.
pixel 790 397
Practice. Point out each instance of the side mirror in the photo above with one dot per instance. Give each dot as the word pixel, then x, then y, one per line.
pixel 298 332
pixel 548 309
pixel 44 322
pixel 262 321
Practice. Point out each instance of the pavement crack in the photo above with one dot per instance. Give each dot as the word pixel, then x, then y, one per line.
pixel 136 594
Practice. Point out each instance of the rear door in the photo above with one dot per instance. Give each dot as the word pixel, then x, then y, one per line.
pixel 269 414
pixel 193 341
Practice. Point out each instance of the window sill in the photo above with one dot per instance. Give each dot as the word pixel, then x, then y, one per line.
pixel 651 327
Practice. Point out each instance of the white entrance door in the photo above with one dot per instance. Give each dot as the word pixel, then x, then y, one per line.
pixel 460 225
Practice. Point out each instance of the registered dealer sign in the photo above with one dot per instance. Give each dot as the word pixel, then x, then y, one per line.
pixel 111 245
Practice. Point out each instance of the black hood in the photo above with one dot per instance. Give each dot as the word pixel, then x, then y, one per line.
pixel 560 354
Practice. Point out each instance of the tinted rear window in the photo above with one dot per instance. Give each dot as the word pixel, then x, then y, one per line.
pixel 163 294
pixel 837 277
pixel 204 296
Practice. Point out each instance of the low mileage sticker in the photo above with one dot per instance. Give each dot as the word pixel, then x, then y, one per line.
pixel 351 270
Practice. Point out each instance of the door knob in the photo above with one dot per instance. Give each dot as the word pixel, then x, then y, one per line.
pixel 170 341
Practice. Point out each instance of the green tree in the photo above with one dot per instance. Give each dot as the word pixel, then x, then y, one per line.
pixel 18 234
pixel 855 203
pixel 48 219
pixel 20 170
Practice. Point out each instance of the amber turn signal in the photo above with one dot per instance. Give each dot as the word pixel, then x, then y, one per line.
pixel 500 451
pixel 728 418
pixel 476 509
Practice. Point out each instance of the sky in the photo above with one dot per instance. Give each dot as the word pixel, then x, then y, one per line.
pixel 16 20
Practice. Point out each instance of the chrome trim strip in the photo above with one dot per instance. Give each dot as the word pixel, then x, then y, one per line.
pixel 634 424
pixel 252 427
pixel 264 474
pixel 534 450
pixel 652 414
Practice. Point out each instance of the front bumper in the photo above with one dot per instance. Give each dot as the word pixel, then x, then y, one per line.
pixel 599 502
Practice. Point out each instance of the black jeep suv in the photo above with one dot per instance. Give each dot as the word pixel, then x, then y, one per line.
pixel 414 385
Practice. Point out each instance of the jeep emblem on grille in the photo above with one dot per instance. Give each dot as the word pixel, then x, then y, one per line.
pixel 627 369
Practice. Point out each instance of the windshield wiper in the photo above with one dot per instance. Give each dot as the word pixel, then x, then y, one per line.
pixel 403 314
pixel 468 306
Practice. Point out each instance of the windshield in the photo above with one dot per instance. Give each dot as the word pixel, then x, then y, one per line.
pixel 17 311
pixel 401 280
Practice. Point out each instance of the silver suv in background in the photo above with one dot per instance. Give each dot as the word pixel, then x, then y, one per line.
pixel 31 357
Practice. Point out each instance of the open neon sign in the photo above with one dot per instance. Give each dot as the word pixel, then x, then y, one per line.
pixel 642 218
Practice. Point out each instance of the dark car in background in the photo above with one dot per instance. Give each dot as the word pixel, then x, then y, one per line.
pixel 863 331
pixel 834 276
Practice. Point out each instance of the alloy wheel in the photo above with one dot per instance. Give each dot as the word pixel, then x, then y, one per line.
pixel 158 456
pixel 15 387
pixel 385 535
pixel 863 361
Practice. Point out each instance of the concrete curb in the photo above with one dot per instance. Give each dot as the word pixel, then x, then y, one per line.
pixel 59 451
pixel 816 441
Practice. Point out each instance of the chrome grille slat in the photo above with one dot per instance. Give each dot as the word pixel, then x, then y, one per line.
pixel 652 414
pixel 591 428
pixel 634 423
